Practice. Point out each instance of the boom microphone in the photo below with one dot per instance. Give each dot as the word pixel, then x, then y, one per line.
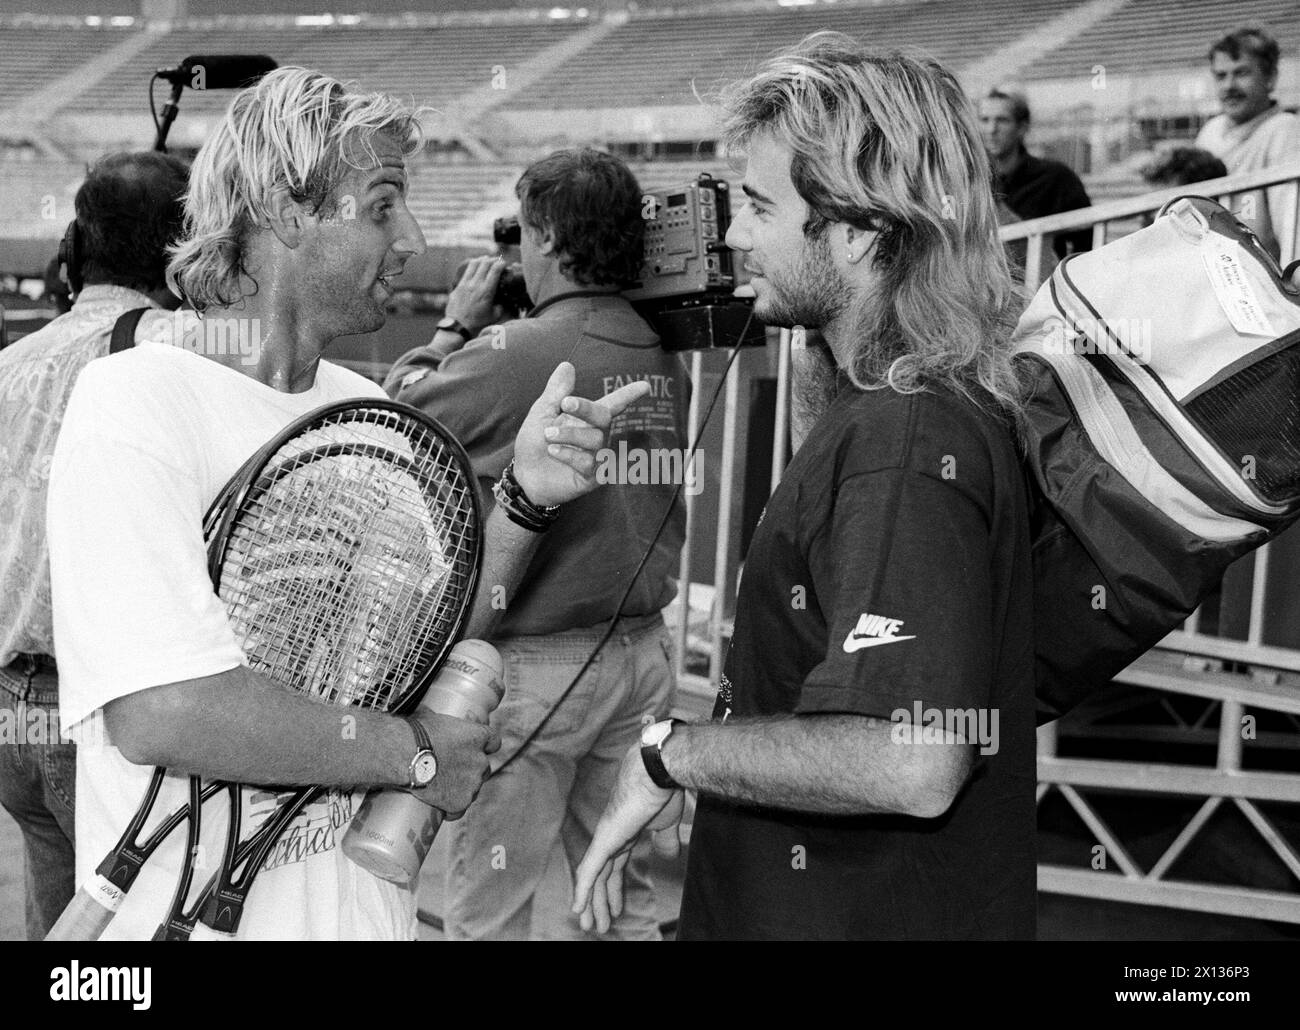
pixel 218 71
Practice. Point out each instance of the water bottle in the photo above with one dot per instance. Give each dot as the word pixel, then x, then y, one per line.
pixel 392 832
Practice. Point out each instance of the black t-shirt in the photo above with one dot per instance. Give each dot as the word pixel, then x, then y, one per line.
pixel 483 392
pixel 1038 187
pixel 890 570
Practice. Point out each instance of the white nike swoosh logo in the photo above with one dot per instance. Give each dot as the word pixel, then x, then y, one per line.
pixel 854 643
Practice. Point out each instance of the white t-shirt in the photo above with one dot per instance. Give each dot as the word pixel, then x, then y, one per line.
pixel 150 437
pixel 1270 138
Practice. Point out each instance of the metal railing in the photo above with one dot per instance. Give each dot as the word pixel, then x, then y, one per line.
pixel 1125 214
pixel 700 690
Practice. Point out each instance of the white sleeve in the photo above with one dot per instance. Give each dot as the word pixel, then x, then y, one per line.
pixel 1205 139
pixel 1284 148
pixel 133 605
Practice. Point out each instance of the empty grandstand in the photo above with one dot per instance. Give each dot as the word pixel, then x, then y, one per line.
pixel 637 79
pixel 609 74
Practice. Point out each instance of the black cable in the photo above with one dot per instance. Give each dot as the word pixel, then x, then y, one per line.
pixel 153 110
pixel 618 611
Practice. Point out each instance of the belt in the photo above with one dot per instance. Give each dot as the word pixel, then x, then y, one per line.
pixel 38 662
pixel 631 626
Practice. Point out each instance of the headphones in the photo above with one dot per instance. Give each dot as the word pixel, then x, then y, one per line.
pixel 71 255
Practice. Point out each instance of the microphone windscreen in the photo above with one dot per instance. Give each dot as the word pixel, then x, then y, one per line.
pixel 226 71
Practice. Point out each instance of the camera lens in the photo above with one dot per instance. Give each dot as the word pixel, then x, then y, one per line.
pixel 505 231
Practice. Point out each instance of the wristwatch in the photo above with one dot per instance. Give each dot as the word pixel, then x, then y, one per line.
pixel 652 744
pixel 424 766
pixel 451 325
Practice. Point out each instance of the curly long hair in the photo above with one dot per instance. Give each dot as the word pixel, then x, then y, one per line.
pixel 294 129
pixel 886 141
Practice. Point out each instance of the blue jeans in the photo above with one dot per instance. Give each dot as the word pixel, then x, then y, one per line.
pixel 557 788
pixel 38 775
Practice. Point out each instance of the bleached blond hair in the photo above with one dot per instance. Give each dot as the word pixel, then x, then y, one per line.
pixel 888 142
pixel 294 129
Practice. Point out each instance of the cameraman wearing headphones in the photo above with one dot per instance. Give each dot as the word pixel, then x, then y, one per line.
pixel 127 211
pixel 581 215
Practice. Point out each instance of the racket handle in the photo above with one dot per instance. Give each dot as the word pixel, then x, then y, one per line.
pixel 86 915
pixel 392 832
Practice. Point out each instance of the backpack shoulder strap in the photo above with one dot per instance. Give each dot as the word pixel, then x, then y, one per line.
pixel 124 330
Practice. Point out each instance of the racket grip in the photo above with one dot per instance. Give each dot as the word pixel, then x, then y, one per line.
pixel 86 915
pixel 392 832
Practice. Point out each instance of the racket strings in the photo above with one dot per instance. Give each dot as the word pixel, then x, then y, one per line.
pixel 350 561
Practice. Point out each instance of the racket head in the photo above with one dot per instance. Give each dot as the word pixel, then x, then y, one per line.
pixel 348 553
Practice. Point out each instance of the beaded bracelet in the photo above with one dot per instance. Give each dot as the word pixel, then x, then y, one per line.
pixel 518 508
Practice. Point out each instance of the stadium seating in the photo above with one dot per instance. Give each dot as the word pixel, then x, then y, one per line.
pixel 453 203
pixel 35 57
pixel 242 8
pixel 650 58
pixel 655 60
pixel 1146 35
pixel 36 201
pixel 428 65
pixel 124 89
pixel 664 175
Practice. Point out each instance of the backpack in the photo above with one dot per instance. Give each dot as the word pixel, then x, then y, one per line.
pixel 1162 435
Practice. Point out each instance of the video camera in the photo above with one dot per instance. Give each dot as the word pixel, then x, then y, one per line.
pixel 511 293
pixel 687 276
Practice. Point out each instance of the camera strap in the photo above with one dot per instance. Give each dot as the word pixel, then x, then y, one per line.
pixel 124 330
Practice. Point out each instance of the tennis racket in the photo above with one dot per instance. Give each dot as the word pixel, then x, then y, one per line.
pixel 347 554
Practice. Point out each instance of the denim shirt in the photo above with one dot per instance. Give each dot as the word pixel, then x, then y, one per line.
pixel 36 378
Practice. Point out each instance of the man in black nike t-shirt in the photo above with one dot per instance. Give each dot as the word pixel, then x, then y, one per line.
pixel 869 772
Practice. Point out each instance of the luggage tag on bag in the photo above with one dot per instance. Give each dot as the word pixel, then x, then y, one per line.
pixel 1225 265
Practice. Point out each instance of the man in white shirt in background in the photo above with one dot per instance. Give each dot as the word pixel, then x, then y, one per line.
pixel 1253 132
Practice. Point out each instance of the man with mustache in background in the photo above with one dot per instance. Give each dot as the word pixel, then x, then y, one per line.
pixel 1253 132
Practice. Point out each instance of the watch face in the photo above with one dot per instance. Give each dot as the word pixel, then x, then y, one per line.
pixel 425 767
pixel 654 734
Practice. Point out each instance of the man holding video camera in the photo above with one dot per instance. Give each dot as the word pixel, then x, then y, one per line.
pixel 582 241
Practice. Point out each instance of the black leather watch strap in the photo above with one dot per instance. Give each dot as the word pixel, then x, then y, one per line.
pixel 452 325
pixel 422 743
pixel 654 762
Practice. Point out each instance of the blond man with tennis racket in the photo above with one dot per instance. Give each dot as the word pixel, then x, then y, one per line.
pixel 296 225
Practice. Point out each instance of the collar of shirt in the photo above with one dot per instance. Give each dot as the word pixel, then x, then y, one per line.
pixel 94 300
pixel 545 305
pixel 1002 181
pixel 1237 132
